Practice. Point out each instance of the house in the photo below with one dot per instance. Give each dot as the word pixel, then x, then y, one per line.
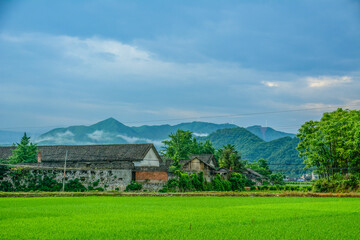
pixel 196 163
pixel 115 165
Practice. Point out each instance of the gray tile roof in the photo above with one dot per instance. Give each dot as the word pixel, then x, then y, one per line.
pixel 115 152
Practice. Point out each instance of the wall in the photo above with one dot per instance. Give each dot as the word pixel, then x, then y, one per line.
pixel 151 176
pixel 106 179
pixel 150 160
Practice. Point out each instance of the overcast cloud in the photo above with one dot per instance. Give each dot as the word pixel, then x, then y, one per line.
pixel 78 62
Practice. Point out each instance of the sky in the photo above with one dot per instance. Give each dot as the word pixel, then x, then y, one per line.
pixel 270 63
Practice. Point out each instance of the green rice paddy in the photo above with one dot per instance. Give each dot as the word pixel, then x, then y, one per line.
pixel 179 218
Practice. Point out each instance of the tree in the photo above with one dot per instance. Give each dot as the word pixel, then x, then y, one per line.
pixel 230 158
pixel 261 166
pixel 25 151
pixel 332 145
pixel 182 144
pixel 179 145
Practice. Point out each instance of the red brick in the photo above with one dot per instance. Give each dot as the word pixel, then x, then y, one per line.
pixel 159 176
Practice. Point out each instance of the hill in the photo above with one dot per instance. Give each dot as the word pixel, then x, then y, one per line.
pixel 268 133
pixel 280 153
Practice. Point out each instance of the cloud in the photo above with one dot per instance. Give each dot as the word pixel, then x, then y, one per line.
pixel 270 84
pixel 131 140
pixel 66 137
pixel 327 81
pixel 98 135
pixel 200 134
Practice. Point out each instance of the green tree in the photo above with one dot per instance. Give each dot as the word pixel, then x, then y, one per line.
pixel 182 144
pixel 25 151
pixel 261 166
pixel 230 158
pixel 332 145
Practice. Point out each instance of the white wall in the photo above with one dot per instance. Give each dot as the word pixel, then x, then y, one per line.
pixel 150 160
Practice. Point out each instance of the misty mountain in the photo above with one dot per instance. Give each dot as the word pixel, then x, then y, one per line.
pixel 111 131
pixel 268 133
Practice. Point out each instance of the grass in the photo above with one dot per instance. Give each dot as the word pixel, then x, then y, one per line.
pixel 179 218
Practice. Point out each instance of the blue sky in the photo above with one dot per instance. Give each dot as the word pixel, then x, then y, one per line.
pixel 77 62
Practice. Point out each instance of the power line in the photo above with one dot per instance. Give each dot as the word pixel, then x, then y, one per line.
pixel 205 117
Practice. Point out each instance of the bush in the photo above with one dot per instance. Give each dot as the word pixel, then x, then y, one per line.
pixel 6 186
pixel 74 186
pixel 237 181
pixel 346 183
pixel 133 186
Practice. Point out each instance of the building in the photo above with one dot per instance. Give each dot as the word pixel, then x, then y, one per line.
pixel 115 165
pixel 205 163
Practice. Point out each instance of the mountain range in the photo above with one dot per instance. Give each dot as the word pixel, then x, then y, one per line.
pixel 253 142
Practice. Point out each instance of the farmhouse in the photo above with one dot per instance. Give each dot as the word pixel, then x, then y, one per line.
pixel 115 165
pixel 205 163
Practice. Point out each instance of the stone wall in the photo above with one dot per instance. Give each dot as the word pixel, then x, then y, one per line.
pixel 115 179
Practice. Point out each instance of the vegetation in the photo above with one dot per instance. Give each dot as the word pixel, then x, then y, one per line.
pixel 229 158
pixel 280 153
pixel 262 167
pixel 179 218
pixel 23 180
pixel 133 186
pixel 25 151
pixel 196 182
pixel 181 145
pixel 332 146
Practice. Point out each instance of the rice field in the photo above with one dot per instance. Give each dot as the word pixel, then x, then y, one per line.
pixel 179 218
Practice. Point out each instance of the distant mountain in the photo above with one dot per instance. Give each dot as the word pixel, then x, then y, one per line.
pixel 111 131
pixel 253 142
pixel 252 148
pixel 268 133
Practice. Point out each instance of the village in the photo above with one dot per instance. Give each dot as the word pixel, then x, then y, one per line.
pixel 116 166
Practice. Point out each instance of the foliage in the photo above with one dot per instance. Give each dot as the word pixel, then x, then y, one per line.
pixel 74 186
pixel 332 145
pixel 25 151
pixel 133 186
pixel 338 183
pixel 197 182
pixel 229 158
pixel 182 144
pixel 252 148
pixel 261 166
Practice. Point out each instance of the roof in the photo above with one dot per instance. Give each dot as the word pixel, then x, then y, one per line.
pixel 254 172
pixel 203 157
pixel 114 152
pixel 184 162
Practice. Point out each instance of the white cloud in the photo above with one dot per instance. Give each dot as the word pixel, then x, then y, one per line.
pixel 270 84
pixel 98 135
pixel 327 81
pixel 200 134
pixel 157 143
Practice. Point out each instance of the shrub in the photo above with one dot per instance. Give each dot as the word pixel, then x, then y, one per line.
pixel 6 186
pixel 237 181
pixel 133 186
pixel 74 186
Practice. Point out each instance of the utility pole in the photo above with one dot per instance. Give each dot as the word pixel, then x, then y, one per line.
pixel 64 171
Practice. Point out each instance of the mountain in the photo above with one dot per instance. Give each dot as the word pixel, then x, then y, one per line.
pixel 111 131
pixel 280 153
pixel 267 133
pixel 253 142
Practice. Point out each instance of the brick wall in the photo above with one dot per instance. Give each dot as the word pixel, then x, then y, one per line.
pixel 157 176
